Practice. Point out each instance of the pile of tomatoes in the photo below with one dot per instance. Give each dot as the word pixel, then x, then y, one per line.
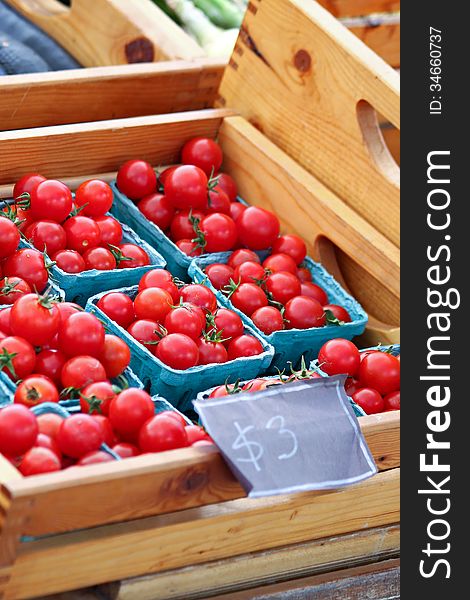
pixel 277 293
pixel 56 350
pixel 373 375
pixel 75 233
pixel 125 422
pixel 182 326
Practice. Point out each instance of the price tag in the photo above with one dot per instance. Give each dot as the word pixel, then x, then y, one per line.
pixel 290 438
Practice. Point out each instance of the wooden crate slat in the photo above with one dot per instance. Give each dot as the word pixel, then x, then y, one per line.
pixel 199 535
pixel 384 40
pixel 304 80
pixel 359 8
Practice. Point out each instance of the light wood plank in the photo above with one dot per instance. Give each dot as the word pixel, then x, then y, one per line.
pixel 382 39
pixel 199 535
pixel 359 8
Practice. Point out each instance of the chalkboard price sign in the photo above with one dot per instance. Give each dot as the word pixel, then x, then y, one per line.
pixel 288 438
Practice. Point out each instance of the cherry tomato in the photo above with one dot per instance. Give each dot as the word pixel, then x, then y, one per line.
pixel 184 319
pixel 45 441
pixel 303 312
pixel 162 279
pixel 36 389
pixel 219 275
pixel 236 209
pixel 204 153
pixel 17 357
pixel 248 297
pixel 82 370
pixel 369 400
pixel 189 247
pixel 218 201
pixel 50 363
pixel 35 319
pixel 110 230
pixel 78 435
pixel 257 228
pixel 10 237
pixel 116 355
pixel 380 371
pixel 100 259
pixel 178 351
pixel 27 183
pixel 226 183
pixel 48 236
pixel 339 356
pixel 211 352
pixel 81 333
pixel 66 309
pixel 222 390
pixel 219 232
pixel 339 312
pixel 49 424
pixel 136 179
pixel 39 460
pixel 12 288
pixel 28 264
pixel 51 199
pixel 94 458
pixel 70 261
pixel 186 187
pixel 283 286
pixel 293 245
pixel 126 450
pixel 182 224
pixel 138 257
pixel 392 401
pixel 158 209
pixel 312 290
pixel 268 319
pixel 242 255
pixel 162 433
pixel 164 174
pixel 244 345
pixel 196 434
pixel 96 398
pixel 109 437
pixel 256 385
pixel 153 304
pixel 199 295
pixel 352 385
pixel 118 307
pixel 249 272
pixel 95 196
pixel 129 410
pixel 228 323
pixel 304 274
pixel 145 332
pixel 18 430
pixel 280 262
pixel 82 233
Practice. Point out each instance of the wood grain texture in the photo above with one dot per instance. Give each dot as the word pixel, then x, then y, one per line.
pixel 268 177
pixel 100 93
pixel 384 40
pixel 111 32
pixel 309 84
pixel 199 535
pixel 359 8
pixel 261 568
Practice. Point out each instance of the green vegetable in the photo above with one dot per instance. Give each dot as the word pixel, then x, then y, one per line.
pixel 221 12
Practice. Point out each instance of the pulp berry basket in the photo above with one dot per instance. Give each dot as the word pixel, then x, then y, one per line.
pixel 78 287
pixel 180 387
pixel 291 344
pixel 126 210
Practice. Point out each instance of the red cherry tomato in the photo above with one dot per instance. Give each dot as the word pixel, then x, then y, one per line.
pixel 392 401
pixel 28 264
pixel 18 430
pixel 136 179
pixel 82 370
pixel 186 187
pixel 219 202
pixel 257 228
pixel 244 345
pixel 153 304
pixel 81 333
pixel 352 385
pixel 182 224
pixel 162 433
pixel 380 371
pixel 12 288
pixel 100 259
pixel 283 286
pixel 45 441
pixel 36 389
pixel 158 209
pixel 118 307
pixel 280 262
pixel 189 247
pixel 312 290
pixel 303 312
pixel 116 355
pixel 204 153
pixel 39 460
pixel 369 400
pixel 162 279
pixel 48 236
pixel 242 255
pixel 304 274
pixel 173 414
pixel 199 295
pixel 129 410
pixel 66 309
pixel 49 424
pixel 219 275
pixel 225 182
pixel 293 245
pixel 339 312
pixel 27 183
pixel 138 257
pixel 17 357
pixel 109 437
pixel 268 319
pixel 69 261
pixel 211 352
pixel 50 363
pixel 339 357
pixel 96 398
pixel 82 233
pixel 228 323
pixel 236 209
pixel 145 332
pixel 219 232
pixel 35 319
pixel 95 196
pixel 110 230
pixel 78 435
pixel 126 450
pixel 195 434
pixel 94 458
pixel 164 174
pixel 249 272
pixel 52 200
pixel 248 297
pixel 184 319
pixel 9 236
pixel 178 351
